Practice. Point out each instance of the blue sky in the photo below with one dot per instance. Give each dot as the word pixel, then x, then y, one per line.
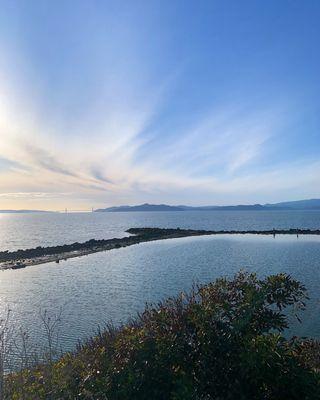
pixel 183 102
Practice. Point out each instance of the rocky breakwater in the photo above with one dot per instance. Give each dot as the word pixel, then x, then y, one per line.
pixel 39 255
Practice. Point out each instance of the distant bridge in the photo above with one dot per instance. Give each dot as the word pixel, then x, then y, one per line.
pixel 68 210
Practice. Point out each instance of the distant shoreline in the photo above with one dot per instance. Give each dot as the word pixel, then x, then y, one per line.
pixel 309 204
pixel 40 255
pixel 295 205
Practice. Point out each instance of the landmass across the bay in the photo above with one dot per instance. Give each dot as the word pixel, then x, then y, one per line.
pixel 310 204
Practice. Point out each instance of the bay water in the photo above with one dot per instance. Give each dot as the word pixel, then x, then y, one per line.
pixel 114 285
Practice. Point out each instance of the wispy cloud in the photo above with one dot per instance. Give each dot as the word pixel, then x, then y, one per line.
pixel 46 161
pixel 32 195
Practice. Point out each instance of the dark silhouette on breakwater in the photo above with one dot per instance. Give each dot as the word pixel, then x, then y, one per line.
pixel 22 258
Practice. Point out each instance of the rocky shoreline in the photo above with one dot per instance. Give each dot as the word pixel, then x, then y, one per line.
pixel 39 255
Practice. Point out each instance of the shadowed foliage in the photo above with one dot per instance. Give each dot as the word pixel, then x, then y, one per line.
pixel 221 341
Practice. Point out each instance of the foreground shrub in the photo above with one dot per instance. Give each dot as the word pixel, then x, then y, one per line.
pixel 222 341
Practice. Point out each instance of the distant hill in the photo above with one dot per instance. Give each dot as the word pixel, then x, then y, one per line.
pixel 312 204
pixel 142 207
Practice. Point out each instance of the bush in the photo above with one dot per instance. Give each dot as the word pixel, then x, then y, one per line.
pixel 222 341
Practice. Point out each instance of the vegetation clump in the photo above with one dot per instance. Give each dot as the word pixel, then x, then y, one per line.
pixel 221 341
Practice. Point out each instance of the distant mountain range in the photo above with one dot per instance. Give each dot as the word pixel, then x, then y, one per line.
pixel 312 204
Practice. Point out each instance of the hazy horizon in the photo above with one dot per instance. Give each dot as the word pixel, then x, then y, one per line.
pixel 139 204
pixel 105 104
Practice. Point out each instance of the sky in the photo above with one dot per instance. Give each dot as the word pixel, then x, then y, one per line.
pixel 108 103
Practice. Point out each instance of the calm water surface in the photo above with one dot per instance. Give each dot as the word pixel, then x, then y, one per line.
pixel 114 285
pixel 31 230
